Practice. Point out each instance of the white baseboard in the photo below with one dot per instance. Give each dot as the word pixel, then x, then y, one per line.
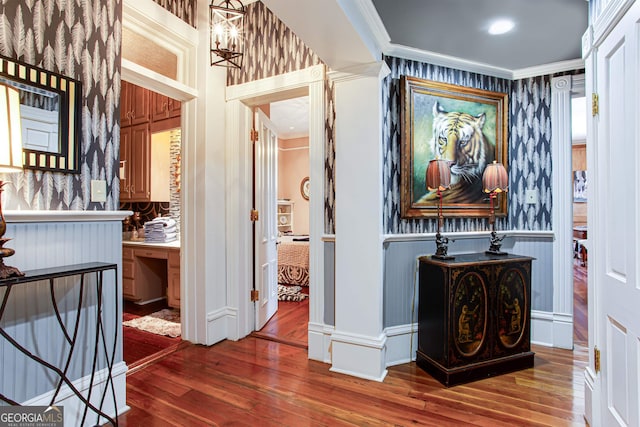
pixel 74 407
pixel 222 324
pixel 319 336
pixel 402 343
pixel 359 355
pixel 552 329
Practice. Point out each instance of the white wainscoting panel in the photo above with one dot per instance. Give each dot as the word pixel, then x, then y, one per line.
pixel 41 240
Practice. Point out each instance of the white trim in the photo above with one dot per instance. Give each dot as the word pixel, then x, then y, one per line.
pixel 591 394
pixel 141 76
pixel 547 69
pixel 608 18
pixel 309 81
pixel 562 90
pixel 359 355
pixel 319 341
pixel 402 343
pixel 74 407
pixel 414 237
pixel 221 324
pixel 64 216
pixel 306 147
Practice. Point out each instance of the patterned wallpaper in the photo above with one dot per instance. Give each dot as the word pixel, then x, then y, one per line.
pixel 80 40
pixel 271 49
pixel 529 142
pixel 183 9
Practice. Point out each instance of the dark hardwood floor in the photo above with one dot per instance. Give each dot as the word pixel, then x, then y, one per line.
pixel 267 380
pixel 289 325
pixel 139 347
pixel 580 320
pixel 261 382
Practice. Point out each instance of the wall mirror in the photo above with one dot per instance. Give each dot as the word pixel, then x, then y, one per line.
pixel 50 109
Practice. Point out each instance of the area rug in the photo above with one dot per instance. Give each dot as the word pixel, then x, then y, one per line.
pixel 290 293
pixel 163 322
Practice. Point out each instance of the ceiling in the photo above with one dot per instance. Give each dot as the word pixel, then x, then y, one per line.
pixel 545 32
pixel 546 38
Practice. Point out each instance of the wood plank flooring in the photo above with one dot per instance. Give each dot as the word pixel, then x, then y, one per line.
pixel 580 319
pixel 289 325
pixel 260 382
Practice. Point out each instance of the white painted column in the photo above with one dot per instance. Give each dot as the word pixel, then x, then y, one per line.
pixel 358 341
pixel 562 214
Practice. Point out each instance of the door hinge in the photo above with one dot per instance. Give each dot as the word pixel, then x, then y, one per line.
pixel 255 295
pixel 596 359
pixel 254 135
pixel 595 104
pixel 255 215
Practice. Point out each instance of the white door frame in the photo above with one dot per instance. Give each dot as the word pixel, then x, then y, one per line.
pixel 311 82
pixel 155 23
pixel 562 90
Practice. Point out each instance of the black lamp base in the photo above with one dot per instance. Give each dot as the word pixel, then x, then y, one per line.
pixel 492 252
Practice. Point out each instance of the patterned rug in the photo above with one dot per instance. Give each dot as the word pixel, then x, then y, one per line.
pixel 163 322
pixel 290 293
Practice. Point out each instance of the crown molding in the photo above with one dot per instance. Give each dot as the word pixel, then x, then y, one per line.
pixel 364 11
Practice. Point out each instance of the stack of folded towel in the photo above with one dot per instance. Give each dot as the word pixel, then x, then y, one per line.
pixel 160 230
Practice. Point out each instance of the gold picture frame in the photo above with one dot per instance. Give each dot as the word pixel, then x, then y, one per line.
pixel 464 125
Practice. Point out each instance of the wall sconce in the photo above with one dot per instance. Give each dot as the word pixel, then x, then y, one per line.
pixel 494 181
pixel 438 178
pixel 10 161
pixel 226 27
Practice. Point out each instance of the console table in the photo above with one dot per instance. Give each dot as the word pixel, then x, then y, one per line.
pixel 474 316
pixel 99 344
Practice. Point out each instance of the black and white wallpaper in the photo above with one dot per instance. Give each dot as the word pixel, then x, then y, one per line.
pixel 529 148
pixel 81 40
pixel 183 9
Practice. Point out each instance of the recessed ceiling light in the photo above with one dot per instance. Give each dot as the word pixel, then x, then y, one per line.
pixel 501 26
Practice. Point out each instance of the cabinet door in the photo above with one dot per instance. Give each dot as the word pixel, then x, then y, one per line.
pixel 470 308
pixel 159 107
pixel 512 309
pixel 140 105
pixel 125 161
pixel 125 103
pixel 173 291
pixel 139 165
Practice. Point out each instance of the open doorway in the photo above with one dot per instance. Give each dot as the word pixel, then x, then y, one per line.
pixel 150 154
pixel 289 323
pixel 580 237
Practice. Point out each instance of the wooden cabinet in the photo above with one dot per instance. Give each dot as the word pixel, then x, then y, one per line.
pixel 285 217
pixel 151 273
pixel 141 113
pixel 163 107
pixel 474 316
pixel 134 104
pixel 135 156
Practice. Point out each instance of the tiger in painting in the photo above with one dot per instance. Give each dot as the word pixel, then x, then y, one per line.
pixel 458 137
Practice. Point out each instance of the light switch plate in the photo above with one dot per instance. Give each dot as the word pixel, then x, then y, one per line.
pixel 98 190
pixel 531 197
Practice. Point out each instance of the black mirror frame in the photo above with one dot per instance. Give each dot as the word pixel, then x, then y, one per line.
pixel 67 159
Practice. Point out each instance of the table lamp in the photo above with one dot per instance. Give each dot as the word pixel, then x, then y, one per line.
pixel 494 181
pixel 10 161
pixel 438 179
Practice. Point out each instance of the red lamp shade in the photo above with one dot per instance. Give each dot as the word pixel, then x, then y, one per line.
pixel 495 179
pixel 438 175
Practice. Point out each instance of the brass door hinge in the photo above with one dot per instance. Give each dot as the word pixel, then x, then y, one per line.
pixel 595 104
pixel 255 215
pixel 596 358
pixel 254 135
pixel 255 295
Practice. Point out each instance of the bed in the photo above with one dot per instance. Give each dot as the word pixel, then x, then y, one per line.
pixel 293 262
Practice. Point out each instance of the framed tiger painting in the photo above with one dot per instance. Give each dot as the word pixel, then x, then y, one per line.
pixel 464 125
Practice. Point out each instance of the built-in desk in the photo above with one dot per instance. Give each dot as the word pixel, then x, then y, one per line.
pixel 99 349
pixel 151 271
